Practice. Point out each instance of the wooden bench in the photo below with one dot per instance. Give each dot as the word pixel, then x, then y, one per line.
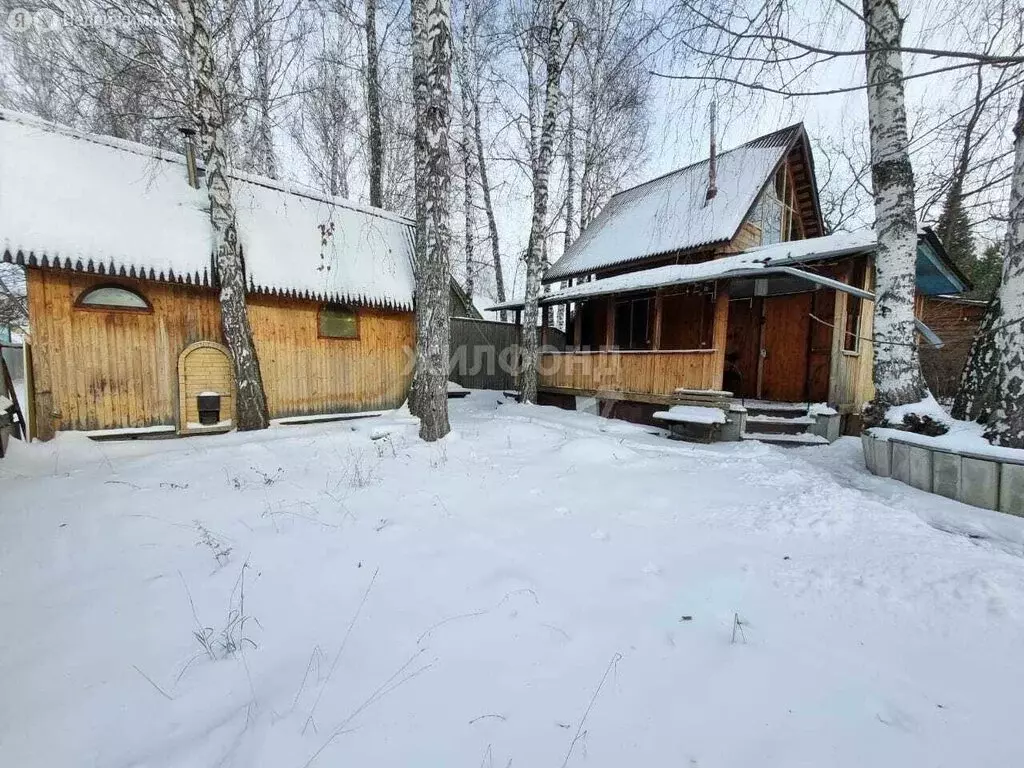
pixel 697 415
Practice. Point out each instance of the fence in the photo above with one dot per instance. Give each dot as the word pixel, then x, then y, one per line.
pixel 484 353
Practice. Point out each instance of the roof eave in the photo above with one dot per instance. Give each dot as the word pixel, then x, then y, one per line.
pixel 944 261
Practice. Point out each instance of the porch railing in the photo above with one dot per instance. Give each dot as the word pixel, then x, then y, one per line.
pixel 641 372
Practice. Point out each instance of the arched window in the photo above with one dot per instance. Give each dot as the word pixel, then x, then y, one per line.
pixel 338 323
pixel 113 297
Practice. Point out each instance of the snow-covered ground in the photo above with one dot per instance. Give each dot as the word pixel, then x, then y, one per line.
pixel 543 588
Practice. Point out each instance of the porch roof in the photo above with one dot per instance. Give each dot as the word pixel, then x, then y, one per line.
pixel 935 273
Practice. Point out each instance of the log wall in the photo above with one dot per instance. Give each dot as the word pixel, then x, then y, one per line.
pixel 103 369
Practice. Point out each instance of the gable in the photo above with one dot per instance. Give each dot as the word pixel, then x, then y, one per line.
pixel 787 207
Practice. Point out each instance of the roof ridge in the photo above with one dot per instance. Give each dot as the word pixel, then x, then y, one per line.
pixel 704 161
pixel 170 156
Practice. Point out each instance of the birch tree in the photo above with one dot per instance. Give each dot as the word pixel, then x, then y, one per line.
pixel 897 370
pixel 468 151
pixel 432 52
pixel 553 62
pixel 251 402
pixel 264 158
pixel 375 140
pixel 1006 423
pixel 472 41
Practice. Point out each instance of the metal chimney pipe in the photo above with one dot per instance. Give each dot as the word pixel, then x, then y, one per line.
pixel 190 156
pixel 712 162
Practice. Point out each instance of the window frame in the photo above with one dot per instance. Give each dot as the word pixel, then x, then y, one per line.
pixel 80 302
pixel 852 338
pixel 338 307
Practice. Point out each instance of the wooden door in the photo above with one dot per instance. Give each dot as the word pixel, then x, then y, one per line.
pixel 743 345
pixel 786 341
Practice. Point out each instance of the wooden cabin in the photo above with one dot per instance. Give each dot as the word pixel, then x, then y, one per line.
pixel 124 317
pixel 956 320
pixel 719 277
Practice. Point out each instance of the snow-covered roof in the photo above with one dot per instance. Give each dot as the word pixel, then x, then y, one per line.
pixel 742 264
pixel 933 268
pixel 96 204
pixel 671 213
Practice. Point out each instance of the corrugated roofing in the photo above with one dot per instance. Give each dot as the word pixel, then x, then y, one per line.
pixel 671 213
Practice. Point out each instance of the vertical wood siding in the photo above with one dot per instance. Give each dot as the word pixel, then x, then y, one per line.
pixel 98 369
pixel 649 373
pixel 304 374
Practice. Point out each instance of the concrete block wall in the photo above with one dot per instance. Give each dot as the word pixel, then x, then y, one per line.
pixel 982 481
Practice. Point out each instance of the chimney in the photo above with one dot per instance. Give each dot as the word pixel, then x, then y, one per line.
pixel 190 156
pixel 712 162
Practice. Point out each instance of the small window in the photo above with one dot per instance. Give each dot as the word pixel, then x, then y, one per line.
pixel 113 297
pixel 851 338
pixel 339 323
pixel 854 308
pixel 771 220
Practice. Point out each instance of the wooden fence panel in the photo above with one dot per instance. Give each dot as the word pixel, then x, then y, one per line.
pixel 485 353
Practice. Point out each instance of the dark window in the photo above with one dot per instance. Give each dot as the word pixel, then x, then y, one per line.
pixel 593 319
pixel 113 297
pixel 339 323
pixel 632 324
pixel 688 320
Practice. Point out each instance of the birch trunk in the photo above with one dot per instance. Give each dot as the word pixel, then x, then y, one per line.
pixel 541 173
pixel 979 382
pixel 251 402
pixel 432 52
pixel 1006 424
pixel 897 371
pixel 264 158
pixel 417 16
pixel 469 172
pixel 492 224
pixel 570 189
pixel 375 137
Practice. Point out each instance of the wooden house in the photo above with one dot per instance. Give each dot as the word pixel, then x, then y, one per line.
pixel 955 319
pixel 124 319
pixel 720 278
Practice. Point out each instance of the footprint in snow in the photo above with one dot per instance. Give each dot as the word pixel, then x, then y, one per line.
pixel 599 535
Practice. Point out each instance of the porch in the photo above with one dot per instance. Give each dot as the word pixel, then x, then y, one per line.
pixel 788 323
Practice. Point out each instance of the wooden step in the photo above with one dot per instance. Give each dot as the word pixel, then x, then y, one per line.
pixel 791 425
pixel 791 420
pixel 770 408
pixel 785 440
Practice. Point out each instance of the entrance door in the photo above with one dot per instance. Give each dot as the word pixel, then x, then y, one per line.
pixel 742 348
pixel 784 347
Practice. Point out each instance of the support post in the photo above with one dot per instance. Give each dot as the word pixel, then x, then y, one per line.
pixel 609 326
pixel 577 326
pixel 720 334
pixel 659 301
